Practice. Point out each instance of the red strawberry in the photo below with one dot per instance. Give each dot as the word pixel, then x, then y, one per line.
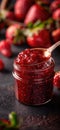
pixel 56 35
pixel 40 39
pixel 14 33
pixel 5 48
pixel 36 12
pixel 55 5
pixel 56 14
pixel 10 15
pixel 21 8
pixel 1 65
pixel 56 80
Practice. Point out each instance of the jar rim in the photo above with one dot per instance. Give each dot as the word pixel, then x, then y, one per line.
pixel 18 67
pixel 42 49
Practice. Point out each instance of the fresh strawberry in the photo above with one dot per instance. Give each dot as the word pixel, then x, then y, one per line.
pixel 56 35
pixel 40 39
pixel 38 34
pixel 5 48
pixel 14 33
pixel 56 80
pixel 21 8
pixel 56 14
pixel 10 15
pixel 55 5
pixel 36 12
pixel 6 52
pixel 1 65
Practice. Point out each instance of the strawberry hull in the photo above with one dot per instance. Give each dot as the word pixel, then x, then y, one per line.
pixel 14 34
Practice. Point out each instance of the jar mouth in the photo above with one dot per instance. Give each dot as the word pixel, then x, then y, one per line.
pixel 50 60
pixel 45 57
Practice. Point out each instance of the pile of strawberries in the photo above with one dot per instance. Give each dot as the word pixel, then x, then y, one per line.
pixel 35 22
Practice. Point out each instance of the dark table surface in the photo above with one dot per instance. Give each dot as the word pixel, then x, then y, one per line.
pixel 40 117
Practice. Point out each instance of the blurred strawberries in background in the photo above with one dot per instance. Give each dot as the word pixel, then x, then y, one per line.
pixel 36 12
pixel 5 48
pixel 14 34
pixel 55 5
pixel 28 13
pixel 21 7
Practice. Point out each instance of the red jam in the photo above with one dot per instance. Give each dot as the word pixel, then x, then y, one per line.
pixel 33 73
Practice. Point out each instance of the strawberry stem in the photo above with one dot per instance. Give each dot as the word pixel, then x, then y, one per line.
pixel 37 26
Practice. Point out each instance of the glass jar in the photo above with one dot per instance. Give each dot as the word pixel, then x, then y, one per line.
pixel 34 82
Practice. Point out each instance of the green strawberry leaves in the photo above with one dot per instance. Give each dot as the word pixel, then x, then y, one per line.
pixel 13 124
pixel 18 36
pixel 40 24
pixel 37 26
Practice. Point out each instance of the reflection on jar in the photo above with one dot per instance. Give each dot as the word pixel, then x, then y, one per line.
pixel 33 80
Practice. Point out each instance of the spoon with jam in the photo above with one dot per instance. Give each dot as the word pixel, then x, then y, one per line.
pixel 50 49
pixel 45 54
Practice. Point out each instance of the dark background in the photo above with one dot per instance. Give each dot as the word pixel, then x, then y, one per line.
pixel 46 117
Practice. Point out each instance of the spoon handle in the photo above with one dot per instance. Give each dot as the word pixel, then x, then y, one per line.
pixel 50 49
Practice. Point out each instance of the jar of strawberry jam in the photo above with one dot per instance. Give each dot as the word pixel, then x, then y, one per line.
pixel 33 75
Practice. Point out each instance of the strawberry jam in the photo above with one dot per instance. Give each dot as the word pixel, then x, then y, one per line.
pixel 33 73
